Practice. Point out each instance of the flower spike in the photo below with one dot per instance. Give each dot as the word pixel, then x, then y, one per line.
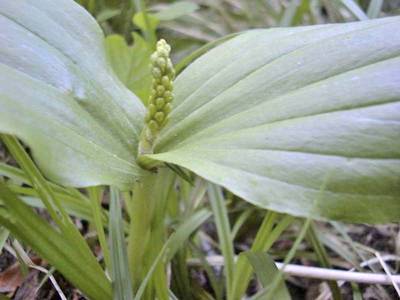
pixel 161 96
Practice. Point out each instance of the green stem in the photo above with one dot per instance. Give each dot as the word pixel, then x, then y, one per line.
pixel 141 212
pixel 147 232
pixel 95 199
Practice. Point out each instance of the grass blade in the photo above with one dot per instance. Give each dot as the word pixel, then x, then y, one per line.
pixel 95 199
pixel 174 242
pixel 12 173
pixel 215 282
pixel 4 233
pixel 355 10
pixel 49 199
pixel 323 259
pixel 266 270
pixel 53 246
pixel 267 294
pixel 224 234
pixel 264 239
pixel 374 8
pixel 240 221
pixel 121 279
pixel 38 182
pixel 289 13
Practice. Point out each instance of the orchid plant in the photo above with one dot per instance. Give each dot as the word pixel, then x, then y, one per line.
pixel 301 121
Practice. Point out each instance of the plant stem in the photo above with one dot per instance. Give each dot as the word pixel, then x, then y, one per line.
pixel 141 212
pixel 147 231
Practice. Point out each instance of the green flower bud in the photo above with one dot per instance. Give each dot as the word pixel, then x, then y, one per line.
pixel 165 121
pixel 153 126
pixel 153 58
pixel 169 65
pixel 160 103
pixel 160 90
pixel 152 109
pixel 165 80
pixel 159 116
pixel 162 52
pixel 161 63
pixel 156 72
pixel 160 96
pixel 168 96
pixel 167 108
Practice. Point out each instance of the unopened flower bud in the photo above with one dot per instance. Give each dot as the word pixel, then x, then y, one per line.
pixel 160 90
pixel 167 108
pixel 159 116
pixel 153 126
pixel 159 103
pixel 156 72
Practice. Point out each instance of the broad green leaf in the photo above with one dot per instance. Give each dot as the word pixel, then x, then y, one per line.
pixel 131 63
pixel 60 96
pixel 301 120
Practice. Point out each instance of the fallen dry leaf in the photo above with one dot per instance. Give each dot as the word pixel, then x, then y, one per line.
pixel 12 278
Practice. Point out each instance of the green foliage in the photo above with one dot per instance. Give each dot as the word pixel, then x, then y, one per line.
pixel 176 10
pixel 121 280
pixel 316 109
pixel 266 236
pixel 80 122
pixel 146 22
pixel 300 120
pixel 314 118
pixel 131 63
pixel 266 271
pixel 54 246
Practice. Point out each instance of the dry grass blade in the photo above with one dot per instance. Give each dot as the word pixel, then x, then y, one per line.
pixel 387 271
